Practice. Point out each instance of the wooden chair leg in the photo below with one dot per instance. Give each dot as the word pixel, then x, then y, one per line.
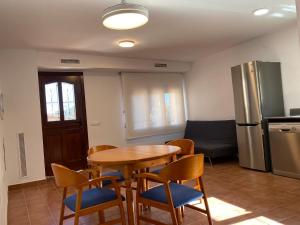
pixel 147 182
pixel 205 202
pixel 182 211
pixel 122 213
pixel 138 211
pixel 78 206
pixel 173 216
pixel 101 217
pixel 178 215
pixel 207 210
pixel 76 219
pixel 62 210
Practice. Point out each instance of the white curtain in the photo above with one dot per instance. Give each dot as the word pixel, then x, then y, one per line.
pixel 154 103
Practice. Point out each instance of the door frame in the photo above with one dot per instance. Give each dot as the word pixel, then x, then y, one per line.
pixel 43 112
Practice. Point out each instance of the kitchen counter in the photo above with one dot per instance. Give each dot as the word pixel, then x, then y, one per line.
pixel 287 119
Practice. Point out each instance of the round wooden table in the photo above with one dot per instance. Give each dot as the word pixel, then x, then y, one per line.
pixel 129 159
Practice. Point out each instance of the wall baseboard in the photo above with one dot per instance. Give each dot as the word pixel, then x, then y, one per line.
pixel 28 184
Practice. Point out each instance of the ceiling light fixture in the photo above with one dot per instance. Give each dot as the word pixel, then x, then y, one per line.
pixel 125 16
pixel 126 44
pixel 261 12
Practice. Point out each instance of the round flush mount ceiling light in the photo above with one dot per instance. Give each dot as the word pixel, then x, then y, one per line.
pixel 126 44
pixel 125 16
pixel 261 12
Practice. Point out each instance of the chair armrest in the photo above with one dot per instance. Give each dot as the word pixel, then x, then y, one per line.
pixel 185 156
pixel 151 177
pixel 87 171
pixel 97 181
pixel 166 142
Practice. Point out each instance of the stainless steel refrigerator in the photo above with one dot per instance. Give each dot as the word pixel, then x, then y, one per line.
pixel 258 94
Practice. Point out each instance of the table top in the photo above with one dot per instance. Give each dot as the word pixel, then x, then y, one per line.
pixel 132 154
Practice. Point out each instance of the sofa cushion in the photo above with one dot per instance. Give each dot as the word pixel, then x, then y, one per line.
pixel 214 148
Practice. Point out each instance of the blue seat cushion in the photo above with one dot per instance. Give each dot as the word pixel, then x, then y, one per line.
pixel 156 171
pixel 112 173
pixel 91 197
pixel 181 194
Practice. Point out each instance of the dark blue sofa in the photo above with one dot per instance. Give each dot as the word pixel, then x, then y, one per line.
pixel 213 138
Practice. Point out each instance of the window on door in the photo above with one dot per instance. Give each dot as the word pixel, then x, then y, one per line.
pixel 60 101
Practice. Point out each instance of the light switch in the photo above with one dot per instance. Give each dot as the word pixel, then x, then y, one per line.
pixel 95 123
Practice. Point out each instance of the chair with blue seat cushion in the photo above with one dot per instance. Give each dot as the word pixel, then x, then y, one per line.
pixel 181 194
pixel 86 201
pixel 118 174
pixel 186 146
pixel 172 195
pixel 91 197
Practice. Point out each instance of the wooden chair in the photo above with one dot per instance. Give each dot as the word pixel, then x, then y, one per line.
pixel 187 148
pixel 98 148
pixel 118 174
pixel 85 202
pixel 170 195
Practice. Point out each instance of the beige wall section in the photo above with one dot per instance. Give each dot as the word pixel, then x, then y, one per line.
pixel 51 60
pixel 210 94
pixel 3 182
pixel 104 111
pixel 103 106
pixel 19 73
pixel 22 113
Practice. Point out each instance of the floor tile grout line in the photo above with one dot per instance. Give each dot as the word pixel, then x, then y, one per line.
pixel 49 210
pixel 26 205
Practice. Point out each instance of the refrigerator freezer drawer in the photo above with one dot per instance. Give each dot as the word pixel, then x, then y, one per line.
pixel 251 147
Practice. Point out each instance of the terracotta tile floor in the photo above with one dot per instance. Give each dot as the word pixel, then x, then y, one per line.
pixel 236 196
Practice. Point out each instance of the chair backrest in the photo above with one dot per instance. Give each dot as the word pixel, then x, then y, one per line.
pixel 99 148
pixel 65 177
pixel 186 168
pixel 187 146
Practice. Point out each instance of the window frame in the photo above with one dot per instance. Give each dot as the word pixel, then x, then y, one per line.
pixel 59 79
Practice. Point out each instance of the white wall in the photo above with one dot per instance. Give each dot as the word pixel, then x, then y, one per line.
pixel 209 86
pixel 104 111
pixel 22 113
pixel 3 183
pixel 19 74
pixel 103 106
pixel 51 60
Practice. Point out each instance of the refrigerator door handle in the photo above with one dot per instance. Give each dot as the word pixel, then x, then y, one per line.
pixel 247 125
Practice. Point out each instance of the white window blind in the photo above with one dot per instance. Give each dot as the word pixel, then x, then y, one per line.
pixel 154 103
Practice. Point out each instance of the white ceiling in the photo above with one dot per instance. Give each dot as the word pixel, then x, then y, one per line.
pixel 177 29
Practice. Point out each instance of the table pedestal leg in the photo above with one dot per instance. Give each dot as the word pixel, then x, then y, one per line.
pixel 129 195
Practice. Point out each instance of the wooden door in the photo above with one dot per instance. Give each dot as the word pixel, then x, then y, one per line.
pixel 63 119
